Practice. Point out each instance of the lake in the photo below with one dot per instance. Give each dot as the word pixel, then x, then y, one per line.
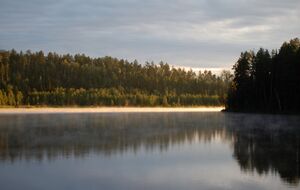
pixel 204 150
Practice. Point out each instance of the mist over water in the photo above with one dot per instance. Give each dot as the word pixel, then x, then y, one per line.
pixel 207 150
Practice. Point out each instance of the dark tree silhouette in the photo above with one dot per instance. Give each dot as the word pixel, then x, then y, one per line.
pixel 268 83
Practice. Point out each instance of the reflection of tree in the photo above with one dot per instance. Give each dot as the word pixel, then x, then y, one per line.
pixel 268 144
pixel 50 136
pixel 262 144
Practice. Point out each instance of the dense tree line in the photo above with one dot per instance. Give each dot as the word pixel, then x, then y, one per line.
pixel 265 81
pixel 37 79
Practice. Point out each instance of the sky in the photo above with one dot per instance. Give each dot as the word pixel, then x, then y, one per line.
pixel 185 33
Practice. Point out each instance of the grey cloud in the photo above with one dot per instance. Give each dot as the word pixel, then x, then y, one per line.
pixel 181 32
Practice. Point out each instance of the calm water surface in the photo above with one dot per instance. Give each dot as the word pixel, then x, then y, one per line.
pixel 149 151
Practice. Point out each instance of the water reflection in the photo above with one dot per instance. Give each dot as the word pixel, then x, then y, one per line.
pixel 267 144
pixel 260 144
pixel 37 136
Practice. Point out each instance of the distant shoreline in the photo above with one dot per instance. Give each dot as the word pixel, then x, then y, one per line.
pixel 107 109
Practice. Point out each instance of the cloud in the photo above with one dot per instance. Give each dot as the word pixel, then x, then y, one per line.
pixel 193 33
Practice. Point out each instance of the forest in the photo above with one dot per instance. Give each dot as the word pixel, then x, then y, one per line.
pixel 35 79
pixel 267 82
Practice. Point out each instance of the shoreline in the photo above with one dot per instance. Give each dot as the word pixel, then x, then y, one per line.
pixel 107 110
pixel 262 112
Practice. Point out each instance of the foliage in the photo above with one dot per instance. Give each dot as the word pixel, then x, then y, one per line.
pixel 267 82
pixel 52 79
